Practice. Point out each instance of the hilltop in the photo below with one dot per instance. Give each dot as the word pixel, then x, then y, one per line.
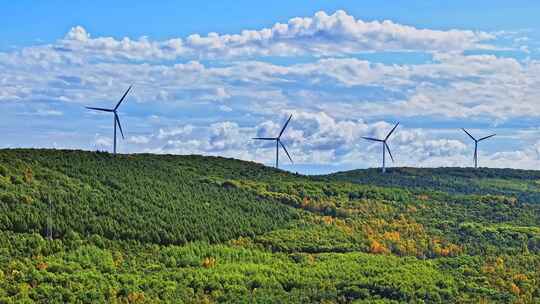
pixel 147 228
pixel 523 184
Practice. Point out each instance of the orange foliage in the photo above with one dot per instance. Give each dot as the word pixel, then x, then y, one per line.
pixel 42 266
pixel 520 277
pixel 392 236
pixel 327 220
pixel 444 252
pixel 405 236
pixel 136 297
pixel 488 269
pixel 305 202
pixel 209 262
pixel 378 248
pixel 515 289
pixel 448 250
pixel 412 209
pixel 423 197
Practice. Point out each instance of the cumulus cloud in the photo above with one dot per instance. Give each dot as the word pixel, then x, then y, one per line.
pixel 216 94
pixel 225 136
pixel 459 86
pixel 317 137
pixel 321 34
pixel 139 139
pixel 452 85
pixel 177 132
pixel 102 141
pixel 44 113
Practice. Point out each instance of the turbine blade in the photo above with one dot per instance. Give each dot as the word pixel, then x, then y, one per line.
pixel 264 138
pixel 468 134
pixel 391 131
pixel 287 152
pixel 99 109
pixel 119 125
pixel 122 99
pixel 487 137
pixel 388 149
pixel 372 139
pixel 285 126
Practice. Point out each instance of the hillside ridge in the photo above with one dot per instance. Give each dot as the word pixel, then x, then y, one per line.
pixel 212 229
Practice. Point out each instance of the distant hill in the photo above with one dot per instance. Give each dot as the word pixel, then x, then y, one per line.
pixel 523 184
pixel 149 228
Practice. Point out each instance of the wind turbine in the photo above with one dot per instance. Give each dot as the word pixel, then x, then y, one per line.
pixel 384 146
pixel 116 119
pixel 278 142
pixel 476 141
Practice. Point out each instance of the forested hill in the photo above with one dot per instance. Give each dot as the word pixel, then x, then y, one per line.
pixel 522 184
pixel 190 229
pixel 152 198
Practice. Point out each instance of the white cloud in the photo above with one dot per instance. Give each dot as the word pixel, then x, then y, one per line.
pixel 316 137
pixel 225 136
pixel 453 85
pixel 216 94
pixel 140 139
pixel 175 132
pixel 44 113
pixel 102 141
pixel 225 108
pixel 321 34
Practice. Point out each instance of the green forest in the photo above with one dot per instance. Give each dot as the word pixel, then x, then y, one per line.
pixel 89 227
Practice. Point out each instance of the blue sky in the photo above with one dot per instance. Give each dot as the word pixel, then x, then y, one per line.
pixel 344 70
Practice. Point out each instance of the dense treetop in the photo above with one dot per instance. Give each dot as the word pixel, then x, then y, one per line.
pixel 193 229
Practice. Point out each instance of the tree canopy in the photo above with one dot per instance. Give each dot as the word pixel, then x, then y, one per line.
pixel 191 229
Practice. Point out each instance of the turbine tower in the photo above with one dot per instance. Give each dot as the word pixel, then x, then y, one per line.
pixel 384 146
pixel 476 141
pixel 278 142
pixel 116 119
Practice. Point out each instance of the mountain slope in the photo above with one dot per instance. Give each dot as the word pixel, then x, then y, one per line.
pixel 522 184
pixel 143 197
pixel 193 229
